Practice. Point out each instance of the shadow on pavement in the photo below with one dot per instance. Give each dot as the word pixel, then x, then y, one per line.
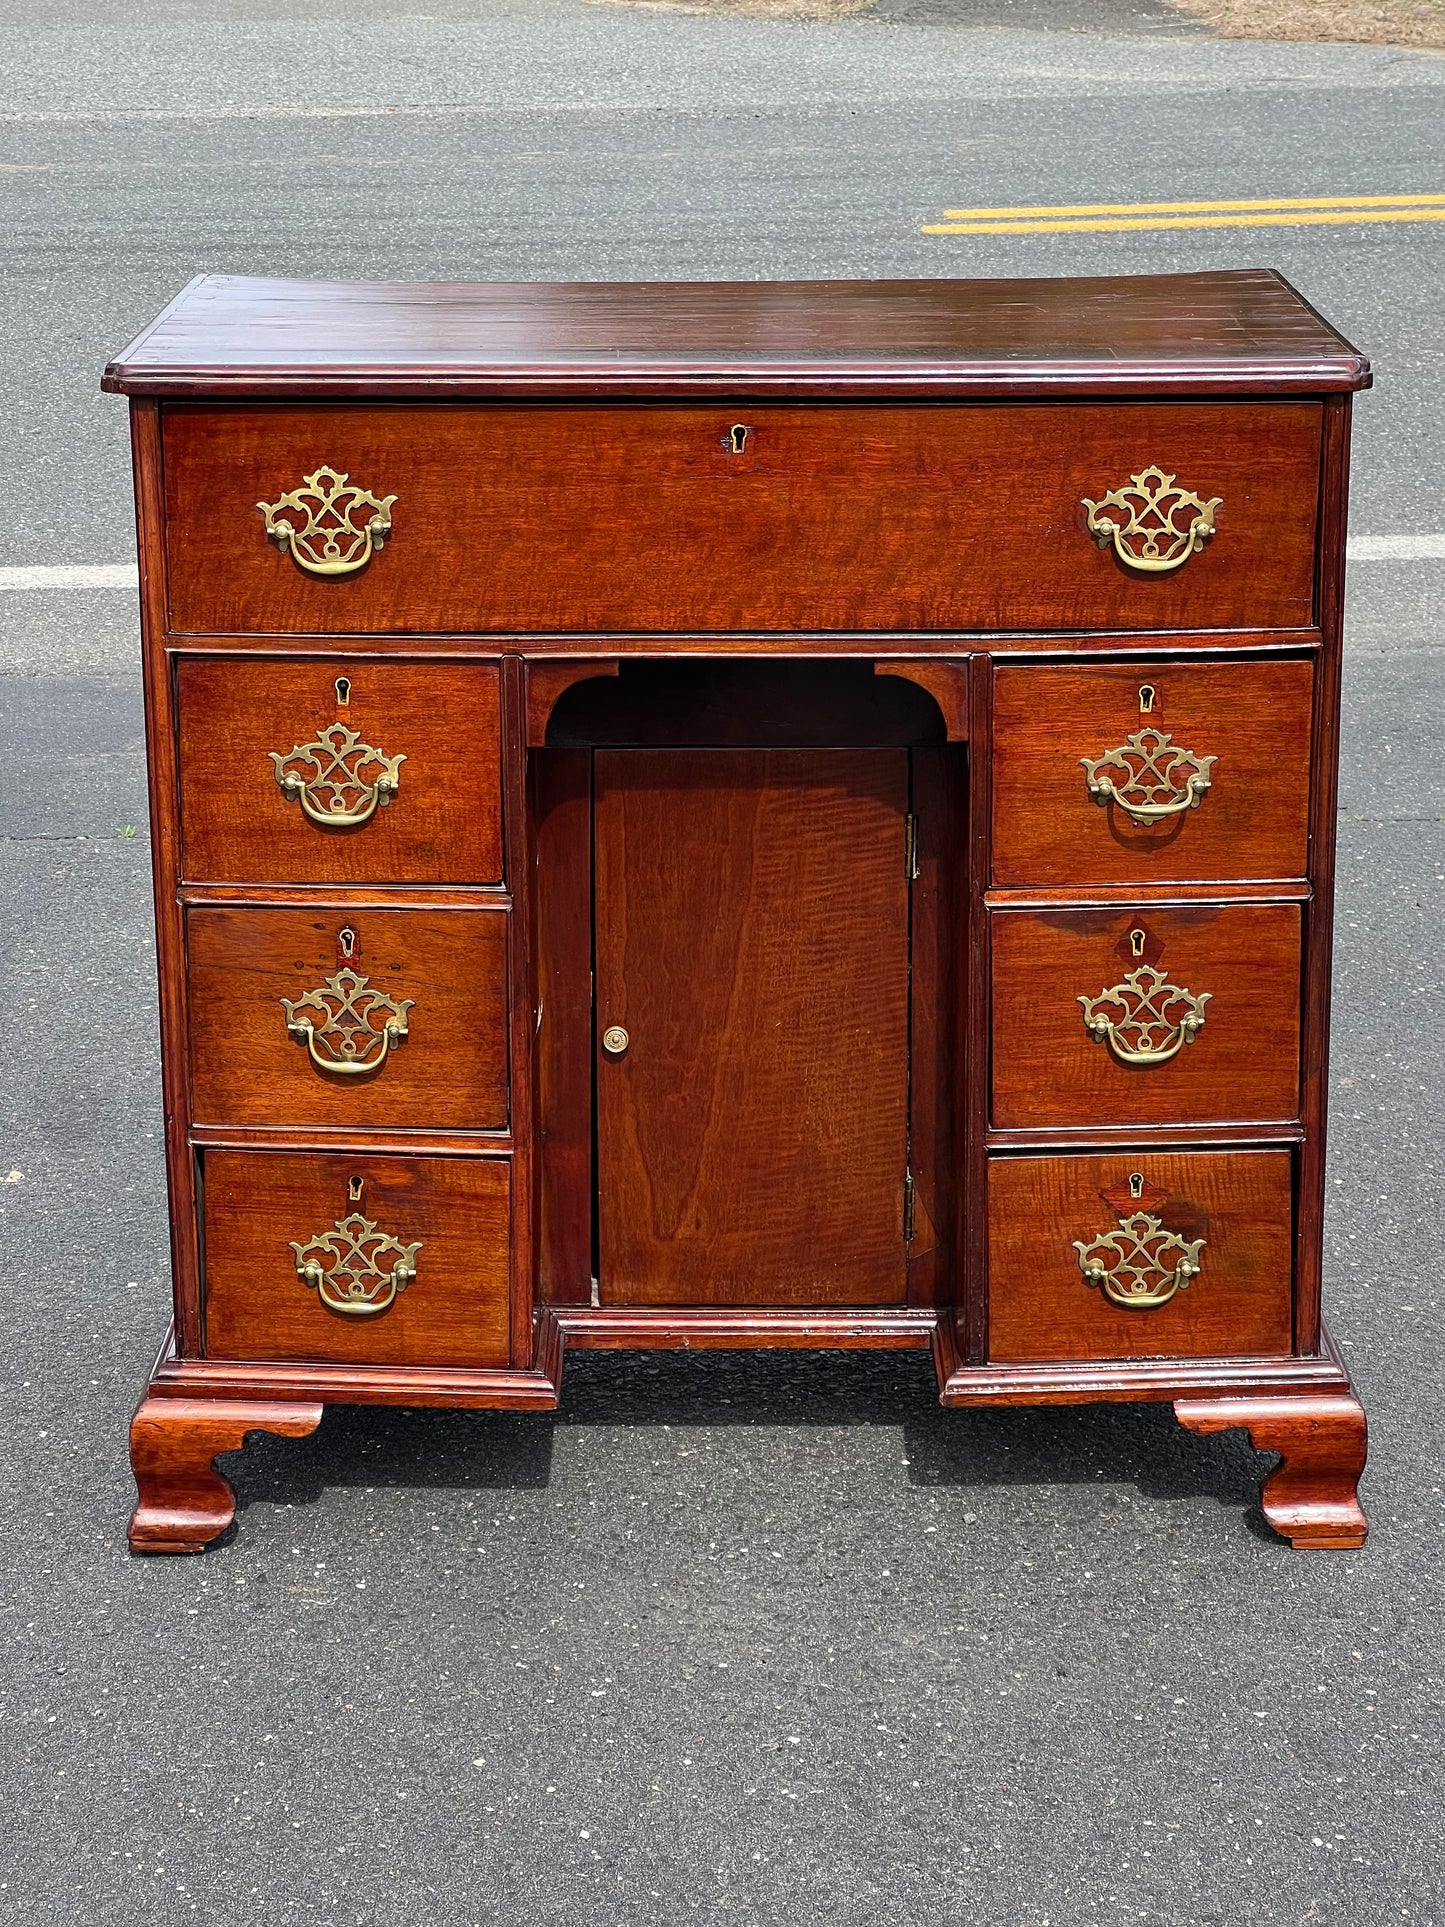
pixel 976 1449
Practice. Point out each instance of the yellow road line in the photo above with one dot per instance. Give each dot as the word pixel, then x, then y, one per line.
pixel 1147 226
pixel 1190 207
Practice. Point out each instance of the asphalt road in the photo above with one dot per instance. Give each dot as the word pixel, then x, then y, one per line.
pixel 743 1640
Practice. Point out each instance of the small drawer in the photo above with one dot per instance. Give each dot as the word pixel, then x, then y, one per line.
pixel 1188 1015
pixel 321 771
pixel 1151 772
pixel 334 1019
pixel 1141 1255
pixel 357 1260
pixel 665 518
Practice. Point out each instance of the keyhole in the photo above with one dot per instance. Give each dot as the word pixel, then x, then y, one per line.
pixel 1137 940
pixel 353 1189
pixel 347 939
pixel 738 437
pixel 1146 698
pixel 343 692
pixel 1136 1184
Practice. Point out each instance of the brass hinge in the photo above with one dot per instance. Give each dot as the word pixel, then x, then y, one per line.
pixel 910 847
pixel 908 1207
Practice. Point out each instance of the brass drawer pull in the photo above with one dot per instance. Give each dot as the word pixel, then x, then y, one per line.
pixel 1149 777
pixel 343 1266
pixel 1153 525
pixel 316 524
pixel 338 1024
pixel 339 781
pixel 1145 1019
pixel 1139 1264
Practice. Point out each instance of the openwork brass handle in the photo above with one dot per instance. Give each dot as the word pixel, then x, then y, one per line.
pixel 1145 1019
pixel 1153 525
pixel 345 1267
pixel 320 526
pixel 1139 1264
pixel 347 1027
pixel 1149 776
pixel 338 780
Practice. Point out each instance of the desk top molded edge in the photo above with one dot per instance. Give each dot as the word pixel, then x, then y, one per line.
pixel 1233 332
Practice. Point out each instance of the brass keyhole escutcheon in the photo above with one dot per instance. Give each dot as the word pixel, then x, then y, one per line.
pixel 737 438
pixel 615 1040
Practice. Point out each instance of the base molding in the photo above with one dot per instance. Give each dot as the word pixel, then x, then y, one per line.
pixel 738 1328
pixel 195 1409
pixel 1128 1380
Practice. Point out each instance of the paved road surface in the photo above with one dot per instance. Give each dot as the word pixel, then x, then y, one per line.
pixel 753 1640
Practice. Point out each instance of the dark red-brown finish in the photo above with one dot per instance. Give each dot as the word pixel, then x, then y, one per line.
pixel 939 1019
pixel 184 1502
pixel 946 682
pixel 1243 1062
pixel 508 518
pixel 161 771
pixel 1319 936
pixel 523 1252
pixel 1040 1304
pixel 443 825
pixel 548 682
pixel 828 539
pixel 562 844
pixel 449 1073
pixel 752 939
pixel 1310 1497
pixel 1241 332
pixel 259 1204
pixel 1252 821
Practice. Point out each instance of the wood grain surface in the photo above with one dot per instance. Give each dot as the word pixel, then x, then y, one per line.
pixel 1243 1064
pixel 1253 821
pixel 1310 1497
pixel 1239 1202
pixel 455 1312
pixel 752 936
pixel 561 835
pixel 237 826
pixel 1243 330
pixel 449 1072
pixel 806 1024
pixel 519 519
pixel 939 982
pixel 183 1501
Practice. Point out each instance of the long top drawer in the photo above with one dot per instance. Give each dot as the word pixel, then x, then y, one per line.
pixel 669 518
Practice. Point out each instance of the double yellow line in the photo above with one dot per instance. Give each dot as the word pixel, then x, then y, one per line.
pixel 1120 217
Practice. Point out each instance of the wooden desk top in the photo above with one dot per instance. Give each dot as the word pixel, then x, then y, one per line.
pixel 1242 331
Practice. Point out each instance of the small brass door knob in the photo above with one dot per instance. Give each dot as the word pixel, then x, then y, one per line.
pixel 615 1040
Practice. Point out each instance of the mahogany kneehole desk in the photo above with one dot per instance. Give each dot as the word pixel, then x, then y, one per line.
pixel 743 815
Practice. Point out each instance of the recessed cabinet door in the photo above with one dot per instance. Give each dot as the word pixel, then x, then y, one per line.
pixel 752 1026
